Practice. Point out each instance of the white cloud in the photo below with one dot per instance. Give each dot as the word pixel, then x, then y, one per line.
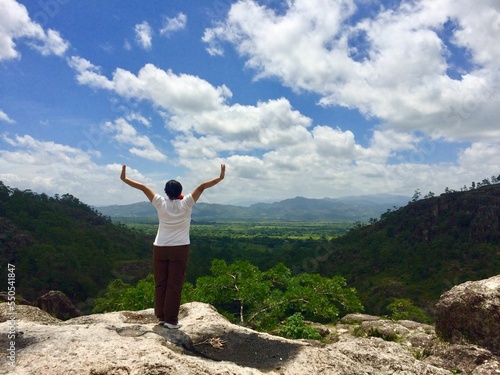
pixel 387 143
pixel 334 142
pixel 139 118
pixel 271 149
pixel 52 44
pixel 172 25
pixel 15 24
pixel 197 106
pixel 5 118
pixel 89 74
pixel 52 168
pixel 211 36
pixel 391 66
pixel 481 156
pixel 127 46
pixel 267 125
pixel 144 35
pixel 175 93
pixel 125 133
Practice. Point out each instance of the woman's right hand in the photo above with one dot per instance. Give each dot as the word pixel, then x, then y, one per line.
pixel 123 176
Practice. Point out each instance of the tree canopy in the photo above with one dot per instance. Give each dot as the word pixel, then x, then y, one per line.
pixel 249 296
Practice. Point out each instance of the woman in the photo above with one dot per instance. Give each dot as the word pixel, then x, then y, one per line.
pixel 171 245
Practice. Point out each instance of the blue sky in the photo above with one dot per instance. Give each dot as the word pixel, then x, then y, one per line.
pixel 313 98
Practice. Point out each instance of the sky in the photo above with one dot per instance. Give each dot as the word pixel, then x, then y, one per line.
pixel 311 98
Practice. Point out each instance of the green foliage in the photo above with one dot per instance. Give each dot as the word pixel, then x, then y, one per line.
pixel 121 296
pixel 416 195
pixel 430 194
pixel 59 243
pixel 375 332
pixel 295 230
pixel 250 297
pixel 240 284
pixel 294 327
pixel 263 299
pixel 404 309
pixel 421 250
pixel 112 298
pixel 357 331
pixel 244 231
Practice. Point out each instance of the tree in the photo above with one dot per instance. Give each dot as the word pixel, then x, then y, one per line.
pixel 263 299
pixel 485 182
pixel 430 194
pixel 385 214
pixel 404 309
pixel 239 284
pixel 121 296
pixel 416 195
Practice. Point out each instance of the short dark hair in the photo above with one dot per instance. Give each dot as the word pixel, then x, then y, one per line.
pixel 173 189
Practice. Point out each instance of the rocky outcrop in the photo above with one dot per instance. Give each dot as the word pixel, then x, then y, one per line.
pixel 133 343
pixel 57 304
pixel 4 297
pixel 470 313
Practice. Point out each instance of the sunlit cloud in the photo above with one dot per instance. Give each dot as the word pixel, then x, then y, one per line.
pixel 4 117
pixel 172 25
pixel 16 26
pixel 143 35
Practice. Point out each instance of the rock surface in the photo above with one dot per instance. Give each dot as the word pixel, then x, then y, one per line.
pixel 470 312
pixel 133 343
pixel 57 304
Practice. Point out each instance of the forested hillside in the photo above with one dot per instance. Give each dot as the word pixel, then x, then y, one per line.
pixel 421 250
pixel 59 243
pixel 416 252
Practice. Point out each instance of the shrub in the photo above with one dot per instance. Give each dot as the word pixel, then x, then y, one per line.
pixel 294 327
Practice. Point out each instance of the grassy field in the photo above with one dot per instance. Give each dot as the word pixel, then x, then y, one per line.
pixel 247 230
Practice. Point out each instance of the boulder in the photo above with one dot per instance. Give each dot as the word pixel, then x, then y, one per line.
pixel 470 313
pixel 58 305
pixel 358 318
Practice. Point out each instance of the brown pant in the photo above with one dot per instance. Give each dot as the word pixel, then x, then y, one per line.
pixel 169 268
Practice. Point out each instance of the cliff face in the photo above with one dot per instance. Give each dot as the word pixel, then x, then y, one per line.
pixel 133 343
pixel 472 215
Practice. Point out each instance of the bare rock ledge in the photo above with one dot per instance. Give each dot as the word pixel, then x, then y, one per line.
pixel 132 343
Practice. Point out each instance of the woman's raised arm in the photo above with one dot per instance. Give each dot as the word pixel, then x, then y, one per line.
pixel 208 184
pixel 136 185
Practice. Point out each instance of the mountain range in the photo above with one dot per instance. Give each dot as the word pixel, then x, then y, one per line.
pixel 351 208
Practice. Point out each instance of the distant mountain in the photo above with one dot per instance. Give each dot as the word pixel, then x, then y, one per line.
pixel 353 208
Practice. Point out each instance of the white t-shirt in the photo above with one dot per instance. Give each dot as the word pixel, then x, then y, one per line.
pixel 174 218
